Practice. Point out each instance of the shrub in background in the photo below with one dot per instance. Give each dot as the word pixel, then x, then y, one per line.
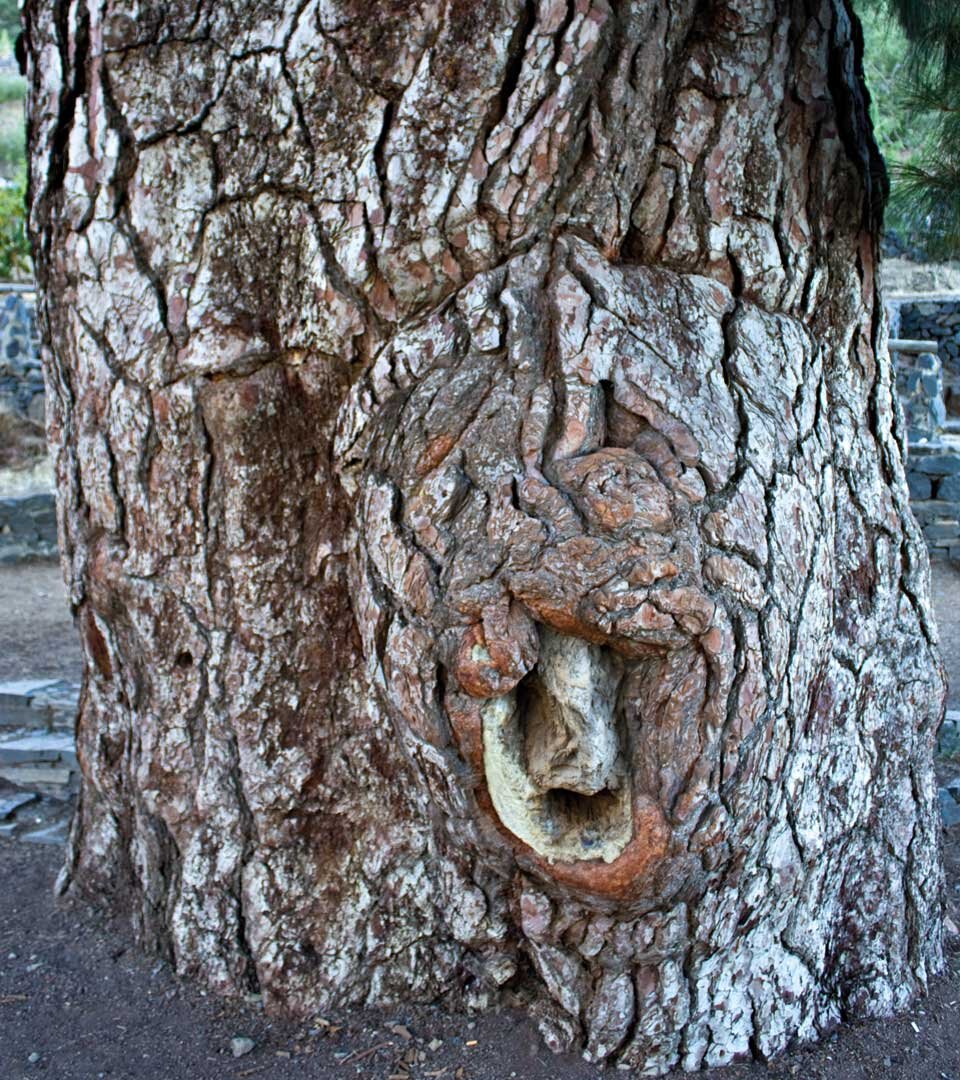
pixel 15 262
pixel 912 67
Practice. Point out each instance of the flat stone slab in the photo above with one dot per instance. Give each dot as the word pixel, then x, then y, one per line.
pixel 58 695
pixel 938 464
pixel 38 703
pixel 41 746
pixel 50 834
pixel 11 803
pixel 41 761
pixel 20 688
pixel 57 780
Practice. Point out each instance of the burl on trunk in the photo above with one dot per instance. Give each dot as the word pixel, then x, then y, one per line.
pixel 482 498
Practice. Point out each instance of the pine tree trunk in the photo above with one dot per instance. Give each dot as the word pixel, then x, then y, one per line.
pixel 482 500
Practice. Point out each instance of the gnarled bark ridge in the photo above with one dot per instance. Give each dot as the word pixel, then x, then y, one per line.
pixel 482 499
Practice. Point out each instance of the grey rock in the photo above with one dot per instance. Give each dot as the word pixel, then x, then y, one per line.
pixel 949 809
pixel 942 530
pixel 939 464
pixel 14 553
pixel 17 523
pixel 928 511
pixel 908 382
pixel 55 834
pixel 9 804
pixel 28 526
pixel 930 384
pixel 921 487
pixel 949 489
pixel 49 746
pixel 21 378
pixel 948 739
pixel 34 503
pixel 16 689
pixel 241 1045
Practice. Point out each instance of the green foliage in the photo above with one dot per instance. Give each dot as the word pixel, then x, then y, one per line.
pixel 14 248
pixel 12 87
pixel 10 17
pixel 912 66
pixel 12 152
pixel 899 135
pixel 12 135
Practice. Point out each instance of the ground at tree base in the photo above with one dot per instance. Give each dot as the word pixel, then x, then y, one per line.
pixel 129 1017
pixel 76 991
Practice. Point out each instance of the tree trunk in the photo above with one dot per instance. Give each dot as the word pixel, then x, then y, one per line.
pixel 482 499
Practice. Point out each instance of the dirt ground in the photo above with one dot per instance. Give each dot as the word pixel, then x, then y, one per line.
pixel 37 637
pixel 79 1001
pixel 76 992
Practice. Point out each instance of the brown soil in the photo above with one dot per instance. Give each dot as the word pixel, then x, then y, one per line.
pixel 76 991
pixel 37 636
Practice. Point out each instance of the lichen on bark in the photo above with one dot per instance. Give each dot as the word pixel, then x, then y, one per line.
pixel 481 493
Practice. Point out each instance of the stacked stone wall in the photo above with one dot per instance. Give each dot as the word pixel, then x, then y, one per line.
pixel 934 482
pixel 21 377
pixel 28 527
pixel 920 389
pixel 929 390
pixel 934 318
pixel 27 521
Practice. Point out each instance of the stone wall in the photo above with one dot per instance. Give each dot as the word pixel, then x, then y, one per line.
pixel 28 524
pixel 933 477
pixel 920 389
pixel 21 378
pixel 933 318
pixel 28 527
pixel 929 391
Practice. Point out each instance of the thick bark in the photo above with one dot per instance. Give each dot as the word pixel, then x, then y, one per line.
pixel 482 499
